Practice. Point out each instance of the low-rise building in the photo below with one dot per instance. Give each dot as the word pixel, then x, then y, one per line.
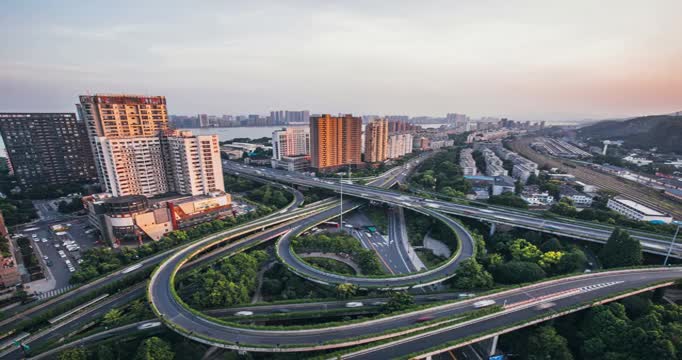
pixel 586 187
pixel 292 163
pixel 535 197
pixel 496 185
pixel 579 199
pixel 136 218
pixel 467 162
pixel 637 211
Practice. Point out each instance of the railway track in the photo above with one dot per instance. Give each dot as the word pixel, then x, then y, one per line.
pixel 633 191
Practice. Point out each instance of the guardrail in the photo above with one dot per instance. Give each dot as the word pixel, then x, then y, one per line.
pixel 77 309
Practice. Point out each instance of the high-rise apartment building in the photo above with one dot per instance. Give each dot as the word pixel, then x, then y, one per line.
pixel 120 115
pixel 176 162
pixel 132 165
pixel 277 117
pixel 297 116
pixel 399 145
pixel 193 163
pixel 335 141
pixel 376 141
pixel 291 141
pixel 47 148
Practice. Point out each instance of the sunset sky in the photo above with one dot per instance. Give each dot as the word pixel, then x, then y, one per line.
pixel 530 60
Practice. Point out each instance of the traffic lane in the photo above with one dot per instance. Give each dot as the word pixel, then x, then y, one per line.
pixel 424 342
pixel 400 240
pixel 329 305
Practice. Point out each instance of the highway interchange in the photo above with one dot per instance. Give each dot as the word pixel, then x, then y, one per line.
pixel 291 221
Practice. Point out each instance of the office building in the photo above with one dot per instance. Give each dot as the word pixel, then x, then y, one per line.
pixel 637 211
pixel 399 145
pixel 335 141
pixel 376 141
pixel 291 141
pixel 47 148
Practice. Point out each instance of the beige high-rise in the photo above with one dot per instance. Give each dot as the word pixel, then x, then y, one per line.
pixel 376 141
pixel 335 141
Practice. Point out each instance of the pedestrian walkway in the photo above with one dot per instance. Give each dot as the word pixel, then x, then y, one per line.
pixel 55 292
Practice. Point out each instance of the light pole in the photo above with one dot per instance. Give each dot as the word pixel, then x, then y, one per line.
pixel 672 243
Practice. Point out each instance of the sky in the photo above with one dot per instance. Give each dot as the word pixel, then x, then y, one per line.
pixel 524 59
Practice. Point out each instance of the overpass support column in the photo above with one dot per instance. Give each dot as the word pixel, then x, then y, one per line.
pixel 492 229
pixel 493 345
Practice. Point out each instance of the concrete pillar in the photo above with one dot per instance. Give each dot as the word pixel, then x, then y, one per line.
pixel 493 346
pixel 492 229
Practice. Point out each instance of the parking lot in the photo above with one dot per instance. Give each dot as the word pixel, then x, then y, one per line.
pixel 59 249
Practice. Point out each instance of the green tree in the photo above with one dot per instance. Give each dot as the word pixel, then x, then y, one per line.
pixel 522 250
pixel 471 275
pixel 398 300
pixel 113 317
pixel 621 250
pixel 564 208
pixel 516 272
pixel 346 290
pixel 545 343
pixel 154 348
pixel 78 353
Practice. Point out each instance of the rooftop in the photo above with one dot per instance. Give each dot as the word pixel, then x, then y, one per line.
pixel 638 207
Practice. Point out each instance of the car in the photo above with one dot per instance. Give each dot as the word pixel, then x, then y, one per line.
pixel 56 246
pixel 34 236
pixel 379 303
pixel 49 263
pixel 45 257
pixel 465 295
pixel 243 313
pixel 484 303
pixel 354 304
pixel 72 269
pixel 44 240
pixel 149 325
pixel 79 261
pixel 424 318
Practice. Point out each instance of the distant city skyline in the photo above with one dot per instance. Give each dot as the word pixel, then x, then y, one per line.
pixel 528 60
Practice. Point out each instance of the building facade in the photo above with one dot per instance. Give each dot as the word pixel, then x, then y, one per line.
pixel 335 141
pixel 467 162
pixel 291 141
pixel 47 148
pixel 376 141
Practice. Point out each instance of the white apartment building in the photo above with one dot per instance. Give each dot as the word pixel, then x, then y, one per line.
pixel 132 165
pixel 193 163
pixel 153 165
pixel 467 162
pixel 399 145
pixel 493 164
pixel 637 211
pixel 291 141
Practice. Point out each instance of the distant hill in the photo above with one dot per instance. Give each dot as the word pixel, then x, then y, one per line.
pixel 661 131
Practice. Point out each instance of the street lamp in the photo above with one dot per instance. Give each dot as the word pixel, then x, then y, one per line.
pixel 672 243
